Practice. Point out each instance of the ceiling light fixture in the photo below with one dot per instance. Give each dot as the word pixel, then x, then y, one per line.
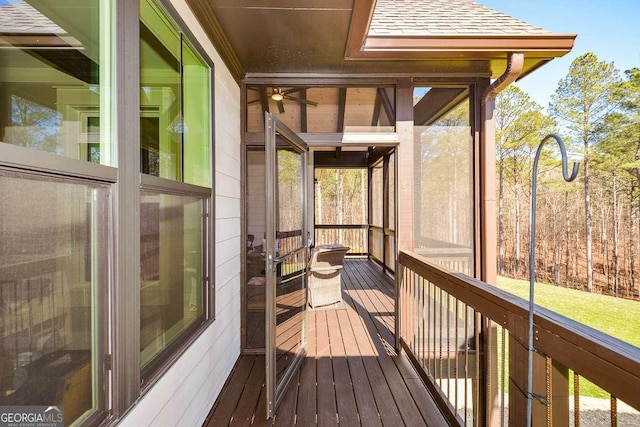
pixel 277 96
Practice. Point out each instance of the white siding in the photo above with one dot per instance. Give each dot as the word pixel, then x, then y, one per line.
pixel 256 196
pixel 185 394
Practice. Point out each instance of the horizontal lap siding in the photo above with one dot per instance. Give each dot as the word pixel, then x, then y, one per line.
pixel 186 392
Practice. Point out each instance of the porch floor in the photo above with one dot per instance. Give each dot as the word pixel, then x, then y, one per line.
pixel 351 376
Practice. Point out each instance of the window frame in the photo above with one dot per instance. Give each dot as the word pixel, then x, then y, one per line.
pixel 163 361
pixel 119 291
pixel 101 352
pixel 160 363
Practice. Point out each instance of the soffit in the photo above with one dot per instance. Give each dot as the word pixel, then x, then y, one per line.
pixel 286 35
pixel 420 37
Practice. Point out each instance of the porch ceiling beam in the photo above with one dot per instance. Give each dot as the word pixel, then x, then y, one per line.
pixel 377 104
pixel 380 139
pixel 347 159
pixel 342 102
pixel 436 103
pixel 264 102
pixel 387 104
pixel 376 153
pixel 303 111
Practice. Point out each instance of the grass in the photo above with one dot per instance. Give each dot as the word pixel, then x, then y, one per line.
pixel 614 316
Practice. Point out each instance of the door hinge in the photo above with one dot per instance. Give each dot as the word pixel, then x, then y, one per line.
pixel 108 362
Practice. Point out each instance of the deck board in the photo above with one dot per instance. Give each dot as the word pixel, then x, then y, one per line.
pixel 351 376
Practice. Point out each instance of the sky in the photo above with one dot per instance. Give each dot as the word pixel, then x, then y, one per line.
pixel 608 28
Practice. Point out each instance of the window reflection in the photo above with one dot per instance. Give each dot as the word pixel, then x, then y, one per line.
pixel 52 87
pixel 174 101
pixel 171 253
pixel 53 236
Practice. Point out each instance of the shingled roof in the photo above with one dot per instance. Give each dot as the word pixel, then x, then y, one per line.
pixel 22 18
pixel 444 18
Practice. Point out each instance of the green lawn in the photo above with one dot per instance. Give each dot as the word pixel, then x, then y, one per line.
pixel 614 316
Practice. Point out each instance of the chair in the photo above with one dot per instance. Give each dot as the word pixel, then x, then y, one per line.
pixel 325 269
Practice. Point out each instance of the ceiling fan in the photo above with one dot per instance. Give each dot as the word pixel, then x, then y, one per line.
pixel 279 95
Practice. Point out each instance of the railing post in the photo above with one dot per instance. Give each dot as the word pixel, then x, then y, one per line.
pixel 398 309
pixel 518 374
pixel 552 386
pixel 488 402
pixel 559 394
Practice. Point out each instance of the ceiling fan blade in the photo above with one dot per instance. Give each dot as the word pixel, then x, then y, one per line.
pixel 254 101
pixel 291 90
pixel 280 107
pixel 300 100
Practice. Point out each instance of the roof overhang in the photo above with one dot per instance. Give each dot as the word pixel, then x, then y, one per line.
pixel 493 50
pixel 283 37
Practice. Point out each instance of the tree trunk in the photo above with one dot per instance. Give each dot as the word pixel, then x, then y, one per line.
pixel 634 209
pixel 604 240
pixel 576 251
pixel 556 256
pixel 587 220
pixel 616 238
pixel 637 156
pixel 501 213
pixel 567 242
pixel 518 234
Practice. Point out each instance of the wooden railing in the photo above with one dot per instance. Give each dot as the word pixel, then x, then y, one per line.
pixel 289 241
pixel 352 235
pixel 468 340
pixel 362 239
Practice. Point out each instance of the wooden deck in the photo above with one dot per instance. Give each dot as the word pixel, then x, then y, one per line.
pixel 351 376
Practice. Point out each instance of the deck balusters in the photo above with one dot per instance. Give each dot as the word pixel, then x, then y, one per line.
pixel 440 316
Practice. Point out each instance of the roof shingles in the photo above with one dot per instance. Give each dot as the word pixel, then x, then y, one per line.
pixel 22 18
pixel 444 18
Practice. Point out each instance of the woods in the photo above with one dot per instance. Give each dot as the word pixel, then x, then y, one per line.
pixel 588 230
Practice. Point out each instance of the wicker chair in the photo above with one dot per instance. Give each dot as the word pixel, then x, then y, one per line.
pixel 325 270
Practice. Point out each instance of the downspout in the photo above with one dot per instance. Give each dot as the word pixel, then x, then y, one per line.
pixel 515 63
pixel 488 235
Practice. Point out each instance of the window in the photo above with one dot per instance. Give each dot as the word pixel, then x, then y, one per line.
pixel 53 260
pixel 62 289
pixel 175 162
pixel 175 102
pixel 55 229
pixel 172 268
pixel 55 78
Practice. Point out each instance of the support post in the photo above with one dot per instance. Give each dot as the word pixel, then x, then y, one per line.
pixel 405 174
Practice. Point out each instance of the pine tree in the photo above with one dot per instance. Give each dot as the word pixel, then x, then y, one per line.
pixel 583 99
